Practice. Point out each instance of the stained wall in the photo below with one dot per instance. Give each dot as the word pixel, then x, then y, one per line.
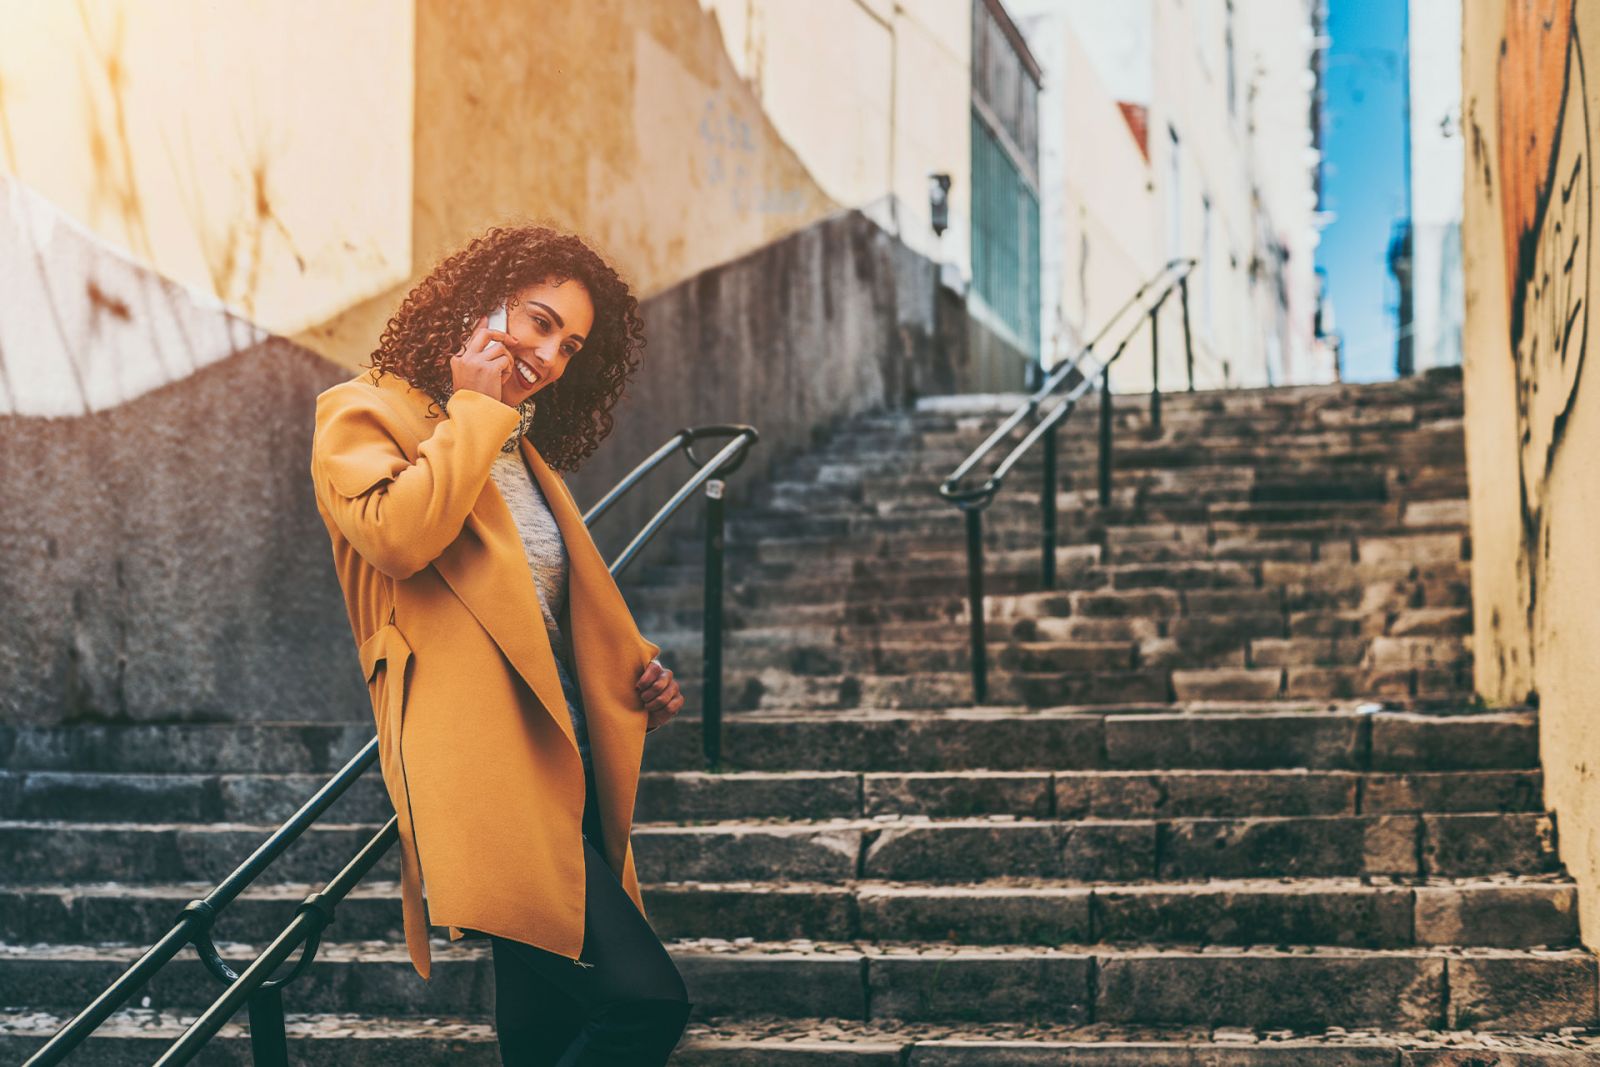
pixel 1531 102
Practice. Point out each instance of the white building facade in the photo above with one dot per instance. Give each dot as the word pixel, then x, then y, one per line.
pixel 1182 128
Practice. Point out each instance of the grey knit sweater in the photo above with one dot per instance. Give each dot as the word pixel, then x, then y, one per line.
pixel 547 558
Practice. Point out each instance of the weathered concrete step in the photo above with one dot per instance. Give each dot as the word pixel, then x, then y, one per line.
pixel 945 850
pixel 949 653
pixel 868 485
pixel 1075 507
pixel 908 848
pixel 773 688
pixel 1018 530
pixel 685 642
pixel 1050 647
pixel 121 796
pixel 1502 913
pixel 268 747
pixel 1073 524
pixel 1353 609
pixel 137 1037
pixel 1141 737
pixel 1177 420
pixel 1435 383
pixel 1414 559
pixel 1364 452
pixel 777 688
pixel 1221 435
pixel 846 564
pixel 1270 494
pixel 835 593
pixel 1398 988
pixel 695 795
pixel 1335 912
pixel 1264 406
pixel 1338 583
pixel 698 795
pixel 910 494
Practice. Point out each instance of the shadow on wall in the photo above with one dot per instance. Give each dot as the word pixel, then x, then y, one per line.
pixel 163 556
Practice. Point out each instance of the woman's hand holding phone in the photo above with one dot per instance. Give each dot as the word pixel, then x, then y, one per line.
pixel 484 362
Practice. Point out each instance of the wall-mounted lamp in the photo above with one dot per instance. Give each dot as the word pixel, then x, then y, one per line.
pixel 939 201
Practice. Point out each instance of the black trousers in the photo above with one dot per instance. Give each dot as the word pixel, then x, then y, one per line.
pixel 621 1003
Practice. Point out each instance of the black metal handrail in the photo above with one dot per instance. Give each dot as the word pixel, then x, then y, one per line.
pixel 725 461
pixel 255 986
pixel 1077 376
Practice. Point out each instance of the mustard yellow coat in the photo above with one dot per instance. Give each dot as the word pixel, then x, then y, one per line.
pixel 475 743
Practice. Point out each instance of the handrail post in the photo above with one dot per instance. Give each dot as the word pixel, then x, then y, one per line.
pixel 1188 337
pixel 1155 368
pixel 980 650
pixel 1105 438
pixel 711 651
pixel 269 1042
pixel 1048 488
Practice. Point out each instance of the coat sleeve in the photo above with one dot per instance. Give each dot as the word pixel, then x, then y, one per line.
pixel 399 515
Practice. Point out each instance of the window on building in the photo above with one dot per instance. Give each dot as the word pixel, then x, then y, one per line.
pixel 1005 237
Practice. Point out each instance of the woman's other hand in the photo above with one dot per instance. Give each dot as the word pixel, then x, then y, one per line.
pixel 659 693
pixel 482 365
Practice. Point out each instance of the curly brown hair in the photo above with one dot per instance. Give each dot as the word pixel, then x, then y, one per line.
pixel 572 415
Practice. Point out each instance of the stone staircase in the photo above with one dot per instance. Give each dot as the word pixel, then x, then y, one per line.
pixel 1229 801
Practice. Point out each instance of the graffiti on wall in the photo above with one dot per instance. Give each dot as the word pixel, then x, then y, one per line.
pixel 730 158
pixel 1544 163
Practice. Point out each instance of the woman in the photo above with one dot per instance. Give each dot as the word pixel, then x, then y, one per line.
pixel 511 688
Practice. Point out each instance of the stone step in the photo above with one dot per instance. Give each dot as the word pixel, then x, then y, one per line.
pixel 1018 531
pixel 901 848
pixel 225 747
pixel 695 795
pixel 1362 451
pixel 1378 656
pixel 1237 486
pixel 950 653
pixel 1510 913
pixel 1077 568
pixel 136 1037
pixel 1334 637
pixel 914 982
pixel 1080 505
pixel 1177 418
pixel 773 688
pixel 938 850
pixel 1323 613
pixel 1074 524
pixel 1506 912
pixel 1138 737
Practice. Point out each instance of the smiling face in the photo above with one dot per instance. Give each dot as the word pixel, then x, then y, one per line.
pixel 550 322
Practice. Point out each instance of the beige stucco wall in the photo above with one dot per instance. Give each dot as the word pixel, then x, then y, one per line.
pixel 876 107
pixel 623 121
pixel 1108 211
pixel 223 144
pixel 308 179
pixel 1532 433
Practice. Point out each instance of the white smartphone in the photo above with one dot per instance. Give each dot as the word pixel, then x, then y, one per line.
pixel 497 321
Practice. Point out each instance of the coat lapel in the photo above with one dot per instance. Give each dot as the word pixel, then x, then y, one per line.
pixel 487 568
pixel 610 653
